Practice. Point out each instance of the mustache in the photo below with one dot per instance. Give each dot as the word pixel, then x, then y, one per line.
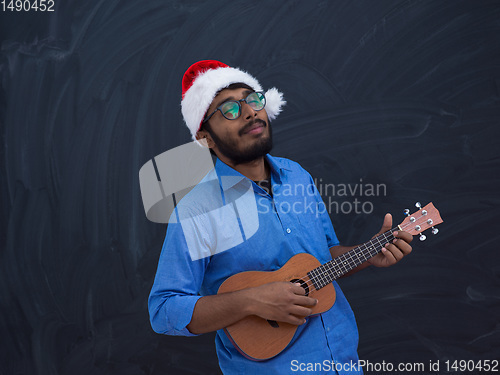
pixel 252 123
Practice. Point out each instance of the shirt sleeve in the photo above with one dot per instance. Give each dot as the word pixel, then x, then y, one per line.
pixel 331 237
pixel 176 286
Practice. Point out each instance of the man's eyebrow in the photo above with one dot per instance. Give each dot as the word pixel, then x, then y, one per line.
pixel 246 93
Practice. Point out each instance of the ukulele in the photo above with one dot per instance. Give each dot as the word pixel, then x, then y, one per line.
pixel 257 338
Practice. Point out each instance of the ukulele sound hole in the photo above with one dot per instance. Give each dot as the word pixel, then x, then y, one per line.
pixel 303 284
pixel 273 323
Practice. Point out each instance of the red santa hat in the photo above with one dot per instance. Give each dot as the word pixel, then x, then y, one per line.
pixel 204 79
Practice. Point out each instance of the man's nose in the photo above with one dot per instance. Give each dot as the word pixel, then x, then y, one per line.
pixel 247 112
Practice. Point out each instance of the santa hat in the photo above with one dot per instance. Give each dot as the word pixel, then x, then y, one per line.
pixel 204 79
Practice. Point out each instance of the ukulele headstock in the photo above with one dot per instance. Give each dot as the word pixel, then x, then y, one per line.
pixel 421 220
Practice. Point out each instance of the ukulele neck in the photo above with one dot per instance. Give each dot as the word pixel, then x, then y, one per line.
pixel 334 269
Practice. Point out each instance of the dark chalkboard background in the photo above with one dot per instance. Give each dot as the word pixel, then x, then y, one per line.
pixel 401 93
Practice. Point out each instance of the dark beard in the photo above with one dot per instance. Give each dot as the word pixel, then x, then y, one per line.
pixel 228 147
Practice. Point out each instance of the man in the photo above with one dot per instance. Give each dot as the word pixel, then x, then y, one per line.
pixel 207 242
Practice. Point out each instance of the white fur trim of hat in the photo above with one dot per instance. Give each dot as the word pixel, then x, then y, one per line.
pixel 204 79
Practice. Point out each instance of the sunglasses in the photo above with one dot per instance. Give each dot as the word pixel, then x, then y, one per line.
pixel 231 109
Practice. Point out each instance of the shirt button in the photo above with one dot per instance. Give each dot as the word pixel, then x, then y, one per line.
pixel 288 230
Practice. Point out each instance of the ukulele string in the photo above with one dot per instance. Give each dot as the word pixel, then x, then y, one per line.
pixel 311 280
pixel 310 283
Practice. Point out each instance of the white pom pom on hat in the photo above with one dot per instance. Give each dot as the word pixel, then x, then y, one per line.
pixel 204 79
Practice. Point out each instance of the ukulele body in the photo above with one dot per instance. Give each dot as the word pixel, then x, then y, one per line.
pixel 260 339
pixel 257 338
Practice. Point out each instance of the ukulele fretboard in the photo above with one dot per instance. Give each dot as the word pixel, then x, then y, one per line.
pixel 332 270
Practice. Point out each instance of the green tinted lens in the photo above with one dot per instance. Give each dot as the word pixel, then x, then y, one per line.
pixel 256 100
pixel 230 110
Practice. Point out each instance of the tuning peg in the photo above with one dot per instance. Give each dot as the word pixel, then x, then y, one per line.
pixel 407 212
pixel 418 205
pixel 435 230
pixel 422 237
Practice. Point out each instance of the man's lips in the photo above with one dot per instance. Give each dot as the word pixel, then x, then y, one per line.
pixel 255 128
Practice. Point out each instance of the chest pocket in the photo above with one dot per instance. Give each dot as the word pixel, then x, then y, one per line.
pixel 310 215
pixel 310 221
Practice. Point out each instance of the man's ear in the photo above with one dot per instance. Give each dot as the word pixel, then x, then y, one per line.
pixel 205 139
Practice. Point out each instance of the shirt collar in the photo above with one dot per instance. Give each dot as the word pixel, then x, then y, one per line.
pixel 231 176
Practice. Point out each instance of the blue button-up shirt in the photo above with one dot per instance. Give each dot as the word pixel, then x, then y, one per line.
pixel 227 224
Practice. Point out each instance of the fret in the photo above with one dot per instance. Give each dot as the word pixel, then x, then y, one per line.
pixel 335 272
pixel 311 276
pixel 317 275
pixel 378 241
pixel 342 265
pixel 358 259
pixel 322 279
pixel 334 269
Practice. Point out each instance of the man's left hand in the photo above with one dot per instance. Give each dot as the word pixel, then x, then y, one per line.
pixel 395 251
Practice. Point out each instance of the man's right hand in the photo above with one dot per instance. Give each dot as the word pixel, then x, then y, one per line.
pixel 281 301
